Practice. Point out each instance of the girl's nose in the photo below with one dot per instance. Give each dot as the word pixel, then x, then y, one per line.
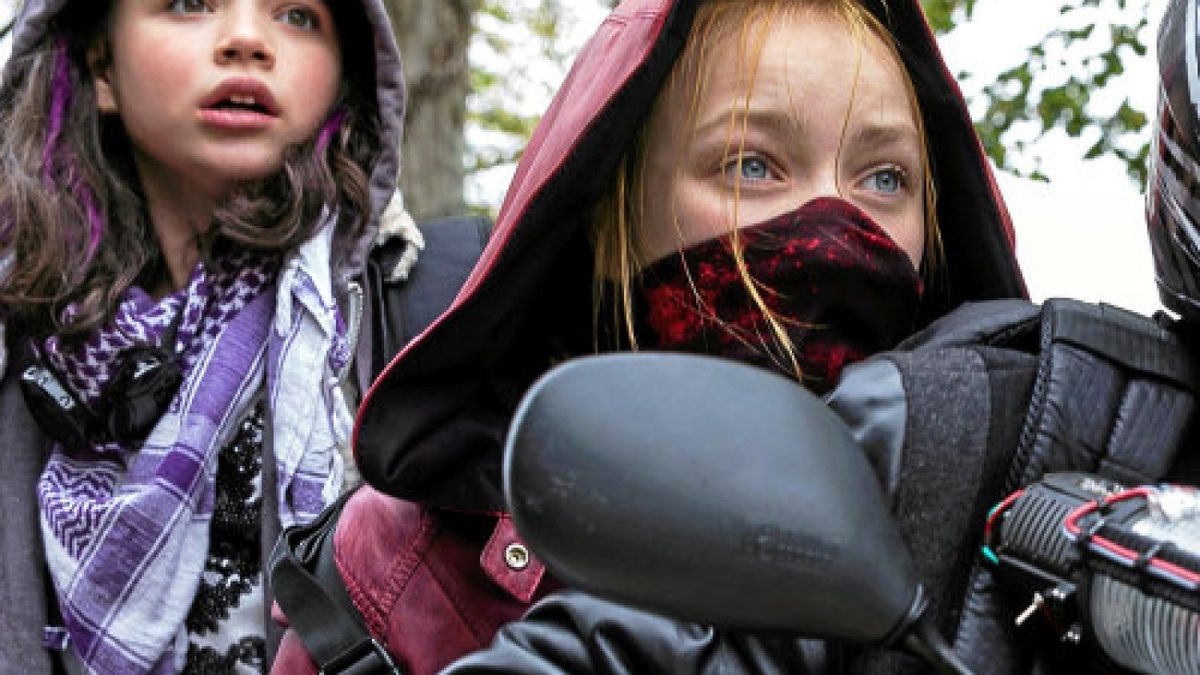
pixel 823 182
pixel 243 41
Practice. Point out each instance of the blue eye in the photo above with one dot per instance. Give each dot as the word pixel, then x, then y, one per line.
pixel 301 18
pixel 750 169
pixel 888 181
pixel 189 6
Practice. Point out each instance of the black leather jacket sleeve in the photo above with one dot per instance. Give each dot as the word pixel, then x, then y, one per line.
pixel 574 633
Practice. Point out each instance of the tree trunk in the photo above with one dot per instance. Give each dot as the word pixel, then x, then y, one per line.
pixel 434 36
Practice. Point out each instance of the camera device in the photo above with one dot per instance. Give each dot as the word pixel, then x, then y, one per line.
pixel 142 385
pixel 1096 563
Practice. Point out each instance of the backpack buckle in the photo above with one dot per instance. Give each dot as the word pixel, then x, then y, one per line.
pixel 368 657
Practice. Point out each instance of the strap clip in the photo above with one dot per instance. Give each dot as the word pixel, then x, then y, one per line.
pixel 368 657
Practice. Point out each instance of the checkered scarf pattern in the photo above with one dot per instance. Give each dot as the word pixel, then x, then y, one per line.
pixel 126 529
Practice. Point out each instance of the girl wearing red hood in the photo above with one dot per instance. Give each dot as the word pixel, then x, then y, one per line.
pixel 790 183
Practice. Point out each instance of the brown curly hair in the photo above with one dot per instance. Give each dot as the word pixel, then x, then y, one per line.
pixel 72 214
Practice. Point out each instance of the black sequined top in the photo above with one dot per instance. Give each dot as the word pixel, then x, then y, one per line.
pixel 225 624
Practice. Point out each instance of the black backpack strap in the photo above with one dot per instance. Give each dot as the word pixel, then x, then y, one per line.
pixel 1115 394
pixel 310 591
pixel 991 397
pixel 305 579
pixel 402 309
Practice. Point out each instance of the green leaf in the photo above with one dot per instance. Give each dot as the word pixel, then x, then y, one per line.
pixel 1053 90
pixel 945 15
pixel 1096 150
pixel 1130 119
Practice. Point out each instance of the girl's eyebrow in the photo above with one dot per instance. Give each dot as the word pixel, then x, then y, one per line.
pixel 780 122
pixel 324 3
pixel 886 133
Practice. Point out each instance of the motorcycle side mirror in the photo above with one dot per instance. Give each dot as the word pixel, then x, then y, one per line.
pixel 711 491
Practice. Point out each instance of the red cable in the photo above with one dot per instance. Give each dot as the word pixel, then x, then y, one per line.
pixel 997 511
pixel 1071 524
pixel 1072 521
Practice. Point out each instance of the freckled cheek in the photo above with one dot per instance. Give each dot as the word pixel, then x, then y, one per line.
pixel 157 66
pixel 314 85
pixel 763 210
pixel 161 82
pixel 909 234
pixel 703 219
pixel 696 214
pixel 906 229
pixel 655 230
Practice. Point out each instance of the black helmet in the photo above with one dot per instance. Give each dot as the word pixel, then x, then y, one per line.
pixel 1173 195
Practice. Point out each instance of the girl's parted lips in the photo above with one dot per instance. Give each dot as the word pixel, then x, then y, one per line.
pixel 242 93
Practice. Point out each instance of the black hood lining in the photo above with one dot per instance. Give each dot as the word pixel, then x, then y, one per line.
pixel 980 260
pixel 445 449
pixel 433 427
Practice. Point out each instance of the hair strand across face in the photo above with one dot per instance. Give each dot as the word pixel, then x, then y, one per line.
pixel 618 217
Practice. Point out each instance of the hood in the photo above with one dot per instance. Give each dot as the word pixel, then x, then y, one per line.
pixel 36 16
pixel 432 427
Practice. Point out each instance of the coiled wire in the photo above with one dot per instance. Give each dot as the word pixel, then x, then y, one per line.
pixel 1147 634
pixel 1034 531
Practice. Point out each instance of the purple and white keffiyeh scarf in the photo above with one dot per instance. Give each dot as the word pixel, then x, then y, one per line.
pixel 126 528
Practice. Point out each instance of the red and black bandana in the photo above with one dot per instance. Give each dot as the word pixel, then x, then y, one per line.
pixel 841 287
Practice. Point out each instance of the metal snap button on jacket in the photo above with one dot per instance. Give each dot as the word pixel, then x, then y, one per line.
pixel 516 556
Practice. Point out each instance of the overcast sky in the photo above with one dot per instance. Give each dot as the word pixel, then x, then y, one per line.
pixel 1083 235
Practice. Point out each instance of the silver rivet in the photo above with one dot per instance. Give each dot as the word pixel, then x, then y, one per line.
pixel 516 556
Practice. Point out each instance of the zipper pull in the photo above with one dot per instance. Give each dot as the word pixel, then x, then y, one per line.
pixel 355 301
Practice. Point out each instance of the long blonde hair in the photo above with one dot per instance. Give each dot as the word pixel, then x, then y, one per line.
pixel 618 216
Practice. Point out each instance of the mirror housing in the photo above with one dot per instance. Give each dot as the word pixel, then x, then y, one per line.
pixel 708 490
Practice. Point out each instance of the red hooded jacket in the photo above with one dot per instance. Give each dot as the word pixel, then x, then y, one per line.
pixel 426 552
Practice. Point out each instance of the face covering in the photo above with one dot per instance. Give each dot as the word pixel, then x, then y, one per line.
pixel 840 287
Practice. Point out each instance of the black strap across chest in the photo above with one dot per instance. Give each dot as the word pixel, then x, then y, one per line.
pixel 305 580
pixel 1115 394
